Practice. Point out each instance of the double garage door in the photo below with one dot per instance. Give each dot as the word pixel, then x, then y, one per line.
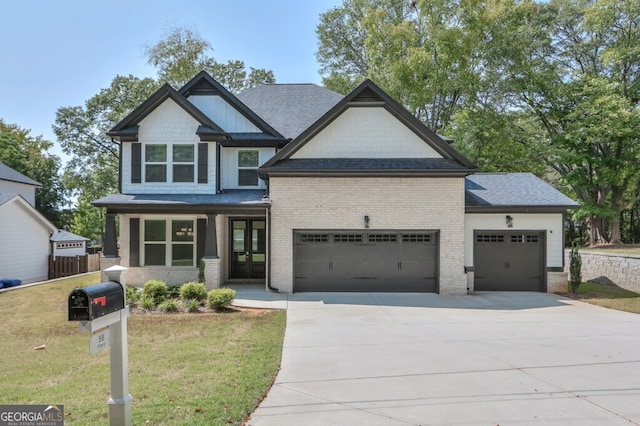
pixel 369 261
pixel 509 261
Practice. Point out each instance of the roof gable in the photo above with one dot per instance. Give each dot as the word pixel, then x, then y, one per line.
pixel 204 84
pixel 127 129
pixel 368 95
pixel 20 202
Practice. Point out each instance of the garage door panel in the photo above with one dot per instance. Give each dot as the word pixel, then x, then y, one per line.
pixel 509 261
pixel 353 261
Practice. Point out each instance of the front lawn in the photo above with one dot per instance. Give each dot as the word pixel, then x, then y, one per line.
pixel 608 296
pixel 184 369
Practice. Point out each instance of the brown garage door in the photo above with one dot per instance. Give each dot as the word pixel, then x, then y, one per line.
pixel 509 261
pixel 369 261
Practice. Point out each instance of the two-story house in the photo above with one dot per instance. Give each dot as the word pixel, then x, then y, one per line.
pixel 302 189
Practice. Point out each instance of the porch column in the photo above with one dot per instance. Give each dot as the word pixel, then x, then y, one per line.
pixel 211 245
pixel 110 248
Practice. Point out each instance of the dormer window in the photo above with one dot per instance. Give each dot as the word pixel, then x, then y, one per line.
pixel 248 167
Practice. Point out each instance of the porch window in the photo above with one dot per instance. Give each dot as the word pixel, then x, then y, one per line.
pixel 248 167
pixel 169 242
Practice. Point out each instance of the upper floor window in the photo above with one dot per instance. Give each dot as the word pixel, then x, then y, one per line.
pixel 248 167
pixel 183 156
pixel 155 163
pixel 181 164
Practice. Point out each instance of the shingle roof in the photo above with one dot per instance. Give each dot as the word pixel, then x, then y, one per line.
pixel 368 164
pixel 290 108
pixel 229 197
pixel 63 235
pixel 487 190
pixel 7 173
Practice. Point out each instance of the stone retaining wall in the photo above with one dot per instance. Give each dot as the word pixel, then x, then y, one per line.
pixel 619 269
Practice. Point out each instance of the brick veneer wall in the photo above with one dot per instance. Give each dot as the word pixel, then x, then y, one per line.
pixel 621 270
pixel 390 203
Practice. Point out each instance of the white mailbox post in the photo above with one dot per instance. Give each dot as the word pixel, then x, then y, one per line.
pixel 102 311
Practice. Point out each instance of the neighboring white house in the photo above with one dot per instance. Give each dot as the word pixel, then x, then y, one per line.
pixel 303 189
pixel 24 232
pixel 65 243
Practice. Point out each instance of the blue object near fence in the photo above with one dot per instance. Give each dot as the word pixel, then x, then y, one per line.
pixel 9 283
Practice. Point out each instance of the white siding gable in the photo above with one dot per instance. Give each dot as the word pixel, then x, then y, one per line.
pixel 223 114
pixel 366 133
pixel 9 188
pixel 168 124
pixel 24 247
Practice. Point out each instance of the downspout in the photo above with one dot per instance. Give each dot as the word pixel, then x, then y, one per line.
pixel 218 173
pixel 268 265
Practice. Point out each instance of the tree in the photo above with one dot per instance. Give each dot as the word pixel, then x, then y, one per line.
pixel 29 156
pixel 579 82
pixel 183 53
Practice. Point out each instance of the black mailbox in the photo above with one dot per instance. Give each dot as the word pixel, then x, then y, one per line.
pixel 89 303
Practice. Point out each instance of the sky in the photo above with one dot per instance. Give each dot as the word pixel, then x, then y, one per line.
pixel 59 53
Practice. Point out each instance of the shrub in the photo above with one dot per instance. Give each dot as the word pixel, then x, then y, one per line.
pixel 575 269
pixel 174 291
pixel 220 298
pixel 157 290
pixel 132 293
pixel 193 290
pixel 169 306
pixel 147 302
pixel 201 270
pixel 192 306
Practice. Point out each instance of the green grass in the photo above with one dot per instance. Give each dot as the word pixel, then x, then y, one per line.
pixel 608 296
pixel 615 249
pixel 184 369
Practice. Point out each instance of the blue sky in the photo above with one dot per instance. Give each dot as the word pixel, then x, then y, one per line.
pixel 60 53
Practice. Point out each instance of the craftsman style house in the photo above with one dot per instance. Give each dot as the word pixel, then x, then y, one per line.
pixel 302 189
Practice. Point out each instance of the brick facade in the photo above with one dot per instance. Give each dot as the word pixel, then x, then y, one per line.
pixel 390 203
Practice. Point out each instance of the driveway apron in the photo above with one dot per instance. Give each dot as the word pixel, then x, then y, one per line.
pixel 426 359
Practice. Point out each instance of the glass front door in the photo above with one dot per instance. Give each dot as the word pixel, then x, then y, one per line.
pixel 248 248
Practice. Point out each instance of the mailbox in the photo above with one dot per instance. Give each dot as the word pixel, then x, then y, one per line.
pixel 89 303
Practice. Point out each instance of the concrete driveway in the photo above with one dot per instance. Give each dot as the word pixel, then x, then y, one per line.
pixel 424 359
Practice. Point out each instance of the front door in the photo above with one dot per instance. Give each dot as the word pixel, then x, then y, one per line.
pixel 248 248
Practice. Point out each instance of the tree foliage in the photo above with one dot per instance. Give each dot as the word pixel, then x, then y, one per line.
pixel 29 155
pixel 546 87
pixel 183 53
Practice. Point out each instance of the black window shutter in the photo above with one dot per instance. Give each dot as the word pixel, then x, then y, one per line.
pixel 202 239
pixel 134 242
pixel 136 162
pixel 203 162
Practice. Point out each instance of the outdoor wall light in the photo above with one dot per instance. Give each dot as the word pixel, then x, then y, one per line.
pixel 509 221
pixel 366 221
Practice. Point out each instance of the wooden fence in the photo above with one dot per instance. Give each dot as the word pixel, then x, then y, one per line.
pixel 65 266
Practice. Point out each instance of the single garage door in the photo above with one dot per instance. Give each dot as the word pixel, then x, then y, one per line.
pixel 509 261
pixel 370 261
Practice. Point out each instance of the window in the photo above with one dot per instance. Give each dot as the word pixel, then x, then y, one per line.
pixel 169 242
pixel 314 238
pixel 489 238
pixel 383 238
pixel 155 160
pixel 248 167
pixel 347 238
pixel 416 238
pixel 181 166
